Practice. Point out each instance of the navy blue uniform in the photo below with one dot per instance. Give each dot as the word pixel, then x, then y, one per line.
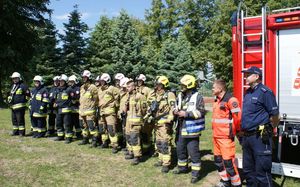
pixel 52 110
pixel 38 110
pixel 19 95
pixel 258 106
pixel 75 111
pixel 64 118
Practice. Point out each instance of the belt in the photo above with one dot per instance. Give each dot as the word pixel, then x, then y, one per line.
pixel 250 133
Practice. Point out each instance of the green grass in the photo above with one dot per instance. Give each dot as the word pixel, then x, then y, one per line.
pixel 43 162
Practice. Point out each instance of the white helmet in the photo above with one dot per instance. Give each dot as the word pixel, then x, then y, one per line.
pixel 105 77
pixel 39 78
pixel 16 75
pixel 119 76
pixel 124 81
pixel 141 77
pixel 73 78
pixel 97 78
pixel 56 78
pixel 86 73
pixel 63 77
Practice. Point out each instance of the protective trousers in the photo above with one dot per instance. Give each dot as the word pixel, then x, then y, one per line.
pixel 39 125
pixel 64 125
pixel 134 140
pixel 257 161
pixel 51 122
pixel 76 124
pixel 89 127
pixel 188 147
pixel 224 155
pixel 163 143
pixel 107 129
pixel 146 133
pixel 18 121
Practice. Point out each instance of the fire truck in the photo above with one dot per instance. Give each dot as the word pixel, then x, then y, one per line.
pixel 271 41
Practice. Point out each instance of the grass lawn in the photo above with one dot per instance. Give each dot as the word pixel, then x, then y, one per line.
pixel 44 162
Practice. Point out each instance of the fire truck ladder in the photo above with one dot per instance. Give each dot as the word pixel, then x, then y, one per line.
pixel 262 34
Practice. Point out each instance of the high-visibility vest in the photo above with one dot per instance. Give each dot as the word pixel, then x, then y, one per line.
pixel 226 116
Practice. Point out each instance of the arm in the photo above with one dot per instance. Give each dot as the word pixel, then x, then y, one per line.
pixel 234 107
pixel 272 108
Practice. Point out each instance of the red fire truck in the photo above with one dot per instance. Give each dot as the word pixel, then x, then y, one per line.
pixel 271 41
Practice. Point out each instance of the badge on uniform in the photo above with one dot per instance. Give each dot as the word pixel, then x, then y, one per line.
pixel 44 95
pixel 235 104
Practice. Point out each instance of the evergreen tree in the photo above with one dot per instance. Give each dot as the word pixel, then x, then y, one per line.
pixel 47 56
pixel 100 47
pixel 74 44
pixel 127 45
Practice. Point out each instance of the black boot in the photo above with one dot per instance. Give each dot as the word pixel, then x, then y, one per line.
pixel 59 138
pixel 135 161
pixel 165 169
pixel 115 150
pixel 50 133
pixel 22 132
pixel 84 141
pixel 14 133
pixel 181 170
pixel 34 134
pixel 129 156
pixel 223 184
pixel 68 140
pixel 94 142
pixel 78 135
pixel 104 145
pixel 40 135
pixel 195 180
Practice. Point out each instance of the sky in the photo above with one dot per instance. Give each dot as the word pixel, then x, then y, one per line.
pixel 91 10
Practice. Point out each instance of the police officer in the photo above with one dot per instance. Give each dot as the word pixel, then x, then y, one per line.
pixel 226 119
pixel 260 114
pixel 147 127
pixel 108 107
pixel 135 108
pixel 190 111
pixel 52 111
pixel 161 110
pixel 73 83
pixel 38 107
pixel 63 103
pixel 87 110
pixel 17 99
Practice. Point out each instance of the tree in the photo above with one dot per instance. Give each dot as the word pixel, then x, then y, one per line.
pixel 127 46
pixel 46 60
pixel 100 47
pixel 74 44
pixel 18 22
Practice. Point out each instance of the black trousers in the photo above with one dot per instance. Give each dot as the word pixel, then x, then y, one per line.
pixel 51 122
pixel 64 125
pixel 18 121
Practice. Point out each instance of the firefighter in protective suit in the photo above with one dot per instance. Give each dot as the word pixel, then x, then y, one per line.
pixel 135 108
pixel 63 103
pixel 226 119
pixel 38 107
pixel 108 105
pixel 52 112
pixel 161 112
pixel 73 83
pixel 191 120
pixel 148 127
pixel 87 110
pixel 17 99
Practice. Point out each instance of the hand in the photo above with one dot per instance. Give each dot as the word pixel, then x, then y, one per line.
pixel 54 105
pixel 9 99
pixel 42 108
pixel 181 113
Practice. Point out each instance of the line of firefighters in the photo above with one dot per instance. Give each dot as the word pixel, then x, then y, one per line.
pixel 100 112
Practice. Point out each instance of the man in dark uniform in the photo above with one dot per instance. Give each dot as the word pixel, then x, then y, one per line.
pixel 260 114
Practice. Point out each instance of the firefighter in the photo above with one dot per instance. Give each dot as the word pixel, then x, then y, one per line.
pixel 147 127
pixel 190 113
pixel 226 119
pixel 52 111
pixel 135 108
pixel 73 83
pixel 63 103
pixel 38 107
pixel 87 109
pixel 108 105
pixel 161 111
pixel 17 99
pixel 259 115
pixel 118 77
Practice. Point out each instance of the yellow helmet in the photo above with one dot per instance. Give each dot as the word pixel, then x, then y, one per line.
pixel 189 81
pixel 162 80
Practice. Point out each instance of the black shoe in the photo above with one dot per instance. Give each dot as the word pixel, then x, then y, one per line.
pixel 40 135
pixel 50 133
pixel 104 145
pixel 135 161
pixel 223 184
pixel 35 134
pixel 59 138
pixel 158 164
pixel 78 136
pixel 14 133
pixel 180 171
pixel 129 156
pixel 84 141
pixel 22 133
pixel 165 169
pixel 195 180
pixel 125 149
pixel 94 142
pixel 114 150
pixel 68 140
